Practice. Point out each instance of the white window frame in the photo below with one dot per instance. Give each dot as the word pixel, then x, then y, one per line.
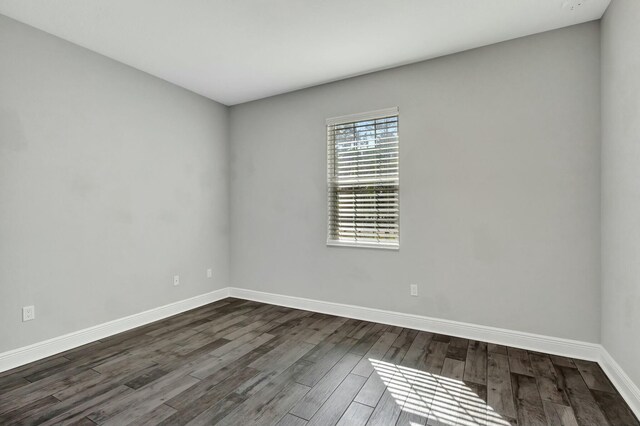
pixel 365 116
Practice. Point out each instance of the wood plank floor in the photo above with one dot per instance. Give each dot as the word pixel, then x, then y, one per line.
pixel 236 362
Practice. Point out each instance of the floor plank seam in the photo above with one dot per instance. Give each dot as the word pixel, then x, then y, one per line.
pixel 340 356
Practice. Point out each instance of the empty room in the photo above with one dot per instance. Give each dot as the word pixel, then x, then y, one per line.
pixel 290 212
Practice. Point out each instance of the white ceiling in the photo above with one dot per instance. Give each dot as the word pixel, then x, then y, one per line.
pixel 235 51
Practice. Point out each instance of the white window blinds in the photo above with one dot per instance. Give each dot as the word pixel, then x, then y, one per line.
pixel 363 180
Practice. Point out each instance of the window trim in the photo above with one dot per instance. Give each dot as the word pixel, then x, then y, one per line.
pixel 382 246
pixel 365 116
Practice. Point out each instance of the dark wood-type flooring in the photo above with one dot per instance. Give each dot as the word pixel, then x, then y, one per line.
pixel 237 362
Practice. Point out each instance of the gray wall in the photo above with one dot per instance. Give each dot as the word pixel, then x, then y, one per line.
pixel 500 198
pixel 621 184
pixel 111 181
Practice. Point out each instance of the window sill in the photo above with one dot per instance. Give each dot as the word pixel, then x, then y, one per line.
pixel 364 245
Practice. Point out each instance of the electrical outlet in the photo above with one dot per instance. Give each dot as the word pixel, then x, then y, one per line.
pixel 414 289
pixel 28 313
pixel 209 273
pixel 176 280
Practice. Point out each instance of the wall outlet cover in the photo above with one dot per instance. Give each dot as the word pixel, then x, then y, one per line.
pixel 28 313
pixel 176 280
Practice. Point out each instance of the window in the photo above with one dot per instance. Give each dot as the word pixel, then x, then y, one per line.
pixel 363 180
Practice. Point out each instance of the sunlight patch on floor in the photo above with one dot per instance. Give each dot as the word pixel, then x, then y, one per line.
pixel 441 400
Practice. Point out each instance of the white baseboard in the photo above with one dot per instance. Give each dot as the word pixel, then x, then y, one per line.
pixel 40 350
pixel 623 383
pixel 534 342
pixel 529 341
